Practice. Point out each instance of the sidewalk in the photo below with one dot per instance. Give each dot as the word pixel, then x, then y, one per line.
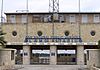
pixel 52 67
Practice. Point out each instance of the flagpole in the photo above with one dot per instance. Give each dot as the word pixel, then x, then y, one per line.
pixel 27 17
pixel 79 6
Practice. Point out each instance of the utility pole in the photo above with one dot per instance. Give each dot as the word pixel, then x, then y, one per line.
pixel 54 6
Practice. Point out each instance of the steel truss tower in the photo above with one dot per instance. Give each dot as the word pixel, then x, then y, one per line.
pixel 54 6
pixel 54 9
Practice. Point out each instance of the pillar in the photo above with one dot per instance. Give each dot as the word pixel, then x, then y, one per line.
pixel 26 55
pixel 80 55
pixel 53 55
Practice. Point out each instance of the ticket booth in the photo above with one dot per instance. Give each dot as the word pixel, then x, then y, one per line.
pixel 7 56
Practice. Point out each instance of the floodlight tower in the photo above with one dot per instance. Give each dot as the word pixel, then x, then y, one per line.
pixel 54 6
pixel 54 10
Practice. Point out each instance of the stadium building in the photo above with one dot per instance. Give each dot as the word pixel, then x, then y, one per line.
pixel 33 32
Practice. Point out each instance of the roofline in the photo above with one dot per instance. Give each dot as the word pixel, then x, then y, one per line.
pixel 11 13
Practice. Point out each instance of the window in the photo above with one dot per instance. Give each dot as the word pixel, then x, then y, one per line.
pixel 36 18
pixel 49 18
pixel 84 19
pixel 72 18
pixel 52 54
pixel 92 33
pixel 55 17
pixel 45 18
pixel 24 18
pixel 96 18
pixel 13 19
pixel 12 55
pixel 66 33
pixel 61 18
pixel 39 33
pixel 14 33
pixel 25 54
pixel 88 55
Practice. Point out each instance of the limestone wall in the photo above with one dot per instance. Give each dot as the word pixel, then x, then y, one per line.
pixel 46 29
pixel 6 57
pixel 93 58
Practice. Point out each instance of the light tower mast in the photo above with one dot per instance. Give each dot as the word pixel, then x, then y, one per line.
pixel 54 9
pixel 54 6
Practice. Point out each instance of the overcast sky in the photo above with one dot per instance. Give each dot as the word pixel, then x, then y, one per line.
pixel 43 5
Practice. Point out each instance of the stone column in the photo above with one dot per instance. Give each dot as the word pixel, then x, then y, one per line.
pixel 53 55
pixel 80 55
pixel 26 55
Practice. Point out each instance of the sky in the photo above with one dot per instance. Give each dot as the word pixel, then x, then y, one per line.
pixel 43 5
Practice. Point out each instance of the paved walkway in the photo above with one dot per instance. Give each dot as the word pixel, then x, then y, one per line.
pixel 52 67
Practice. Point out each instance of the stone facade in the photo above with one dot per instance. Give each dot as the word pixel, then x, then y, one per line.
pixel 75 28
pixel 18 31
pixel 46 29
pixel 93 58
